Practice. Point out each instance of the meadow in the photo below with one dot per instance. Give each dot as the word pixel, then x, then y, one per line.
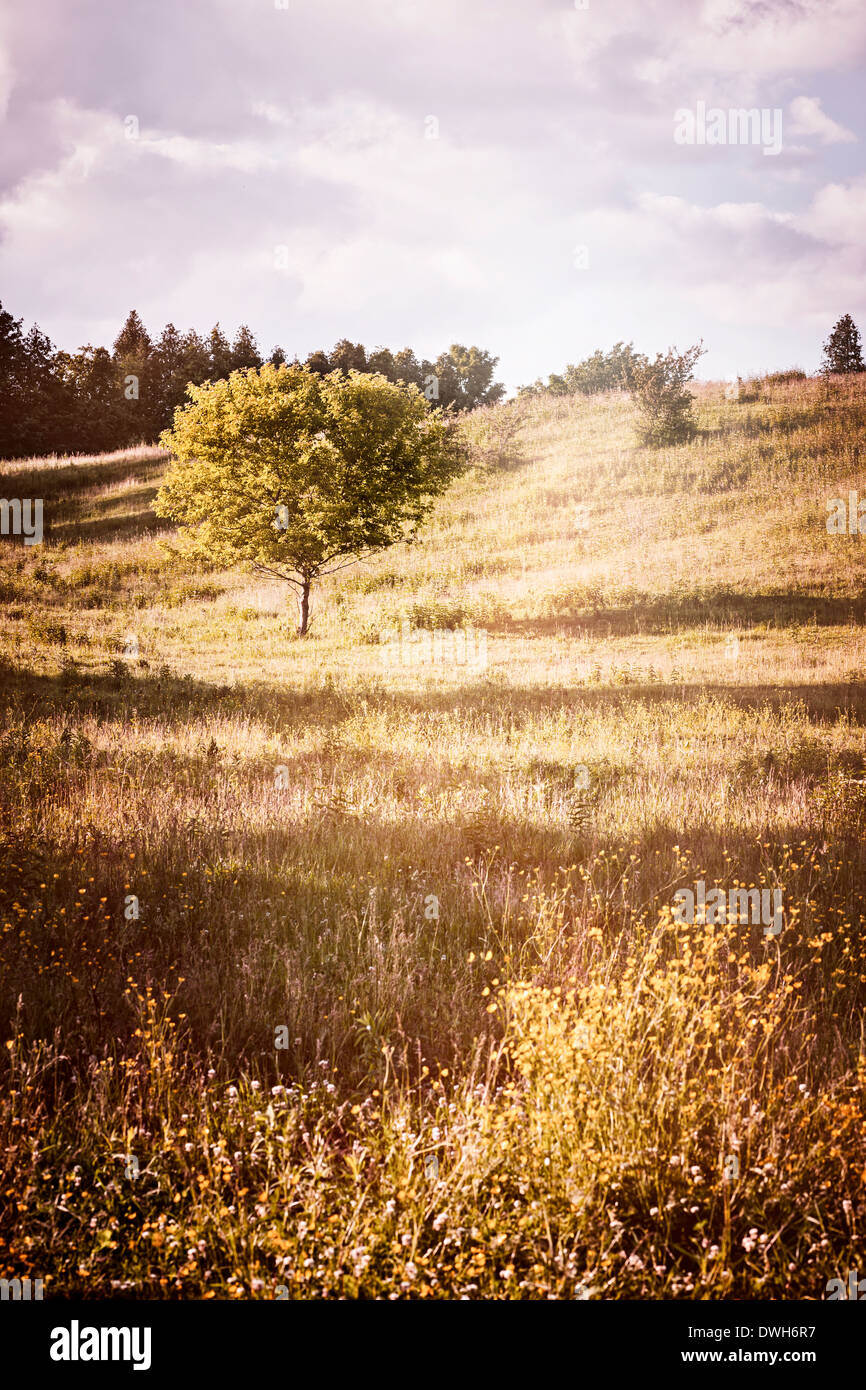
pixel 326 975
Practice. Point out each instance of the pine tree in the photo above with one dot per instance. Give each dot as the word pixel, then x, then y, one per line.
pixel 133 339
pixel 43 404
pixel 842 351
pixel 245 350
pixel 90 378
pixel 196 357
pixel 12 367
pixel 220 354
pixel 135 382
pixel 169 378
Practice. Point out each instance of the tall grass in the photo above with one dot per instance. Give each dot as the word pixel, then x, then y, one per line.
pixel 323 977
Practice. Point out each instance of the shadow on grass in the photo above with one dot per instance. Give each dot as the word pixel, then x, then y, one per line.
pixel 674 615
pixel 65 483
pixel 133 693
pixel 124 527
pixel 319 923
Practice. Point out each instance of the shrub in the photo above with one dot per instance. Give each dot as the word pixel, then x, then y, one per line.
pixel 191 593
pixel 433 613
pixel 45 629
pixel 785 378
pixel 664 402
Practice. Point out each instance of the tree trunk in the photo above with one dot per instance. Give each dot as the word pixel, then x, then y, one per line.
pixel 304 608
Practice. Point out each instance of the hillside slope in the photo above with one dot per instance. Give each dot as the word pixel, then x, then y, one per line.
pixel 443 876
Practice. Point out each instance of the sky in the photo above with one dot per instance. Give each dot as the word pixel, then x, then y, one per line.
pixel 525 175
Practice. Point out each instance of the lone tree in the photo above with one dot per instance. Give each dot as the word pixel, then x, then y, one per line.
pixel 299 474
pixel 660 390
pixel 842 348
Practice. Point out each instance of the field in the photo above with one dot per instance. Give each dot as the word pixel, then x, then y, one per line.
pixel 347 967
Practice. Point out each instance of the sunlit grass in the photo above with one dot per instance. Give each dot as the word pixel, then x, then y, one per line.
pixel 503 1071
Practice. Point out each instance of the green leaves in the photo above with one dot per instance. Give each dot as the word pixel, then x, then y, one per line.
pixel 295 473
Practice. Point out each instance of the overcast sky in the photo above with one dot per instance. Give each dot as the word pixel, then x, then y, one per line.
pixel 403 172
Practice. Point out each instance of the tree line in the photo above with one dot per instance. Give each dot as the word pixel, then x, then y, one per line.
pixel 623 369
pixel 96 399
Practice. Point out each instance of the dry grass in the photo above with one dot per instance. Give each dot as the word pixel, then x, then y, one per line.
pixel 450 886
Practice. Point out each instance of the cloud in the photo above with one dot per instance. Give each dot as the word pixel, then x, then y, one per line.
pixel 809 119
pixel 306 128
pixel 837 215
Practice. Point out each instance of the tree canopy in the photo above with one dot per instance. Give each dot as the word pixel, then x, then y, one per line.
pixel 299 474
pixel 98 398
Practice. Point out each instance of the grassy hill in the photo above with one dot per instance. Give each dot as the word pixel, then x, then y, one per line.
pixel 404 1010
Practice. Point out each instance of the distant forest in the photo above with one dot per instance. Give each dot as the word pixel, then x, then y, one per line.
pixel 95 400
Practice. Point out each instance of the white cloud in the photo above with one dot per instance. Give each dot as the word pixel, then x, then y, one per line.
pixel 809 119
pixel 306 128
pixel 837 214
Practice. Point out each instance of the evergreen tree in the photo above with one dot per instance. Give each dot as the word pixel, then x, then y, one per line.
pixel 169 376
pixel 195 356
pixel 135 381
pixel 96 420
pixel 245 350
pixel 133 339
pixel 842 350
pixel 220 354
pixel 12 365
pixel 43 402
